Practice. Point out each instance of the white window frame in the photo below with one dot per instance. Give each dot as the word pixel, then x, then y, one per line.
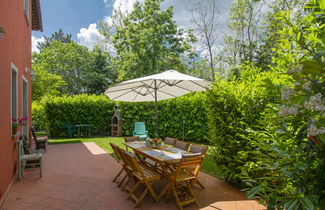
pixel 13 68
pixel 22 104
pixel 27 10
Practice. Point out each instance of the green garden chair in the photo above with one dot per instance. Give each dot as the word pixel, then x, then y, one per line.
pixel 140 130
pixel 70 129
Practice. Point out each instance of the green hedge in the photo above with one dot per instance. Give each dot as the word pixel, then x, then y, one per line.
pixel 78 109
pixel 53 113
pixel 236 109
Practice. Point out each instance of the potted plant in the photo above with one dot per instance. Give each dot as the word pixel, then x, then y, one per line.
pixel 155 143
pixel 14 126
pixel 16 123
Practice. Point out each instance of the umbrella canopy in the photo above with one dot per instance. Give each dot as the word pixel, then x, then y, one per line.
pixel 157 87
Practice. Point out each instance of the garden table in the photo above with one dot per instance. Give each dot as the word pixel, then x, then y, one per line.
pixel 83 125
pixel 165 155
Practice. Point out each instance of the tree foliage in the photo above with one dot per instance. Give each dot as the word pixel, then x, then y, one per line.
pixel 148 41
pixel 82 70
pixel 56 36
pixel 46 84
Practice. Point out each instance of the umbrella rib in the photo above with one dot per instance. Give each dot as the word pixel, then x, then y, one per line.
pixel 184 88
pixel 137 93
pixel 197 84
pixel 166 93
pixel 123 89
pixel 121 95
pixel 127 83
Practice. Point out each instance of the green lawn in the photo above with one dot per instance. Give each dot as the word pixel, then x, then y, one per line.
pixel 208 166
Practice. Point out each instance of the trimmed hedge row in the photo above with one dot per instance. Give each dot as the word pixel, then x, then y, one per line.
pixel 174 114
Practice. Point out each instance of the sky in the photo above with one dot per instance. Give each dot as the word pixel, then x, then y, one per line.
pixel 80 17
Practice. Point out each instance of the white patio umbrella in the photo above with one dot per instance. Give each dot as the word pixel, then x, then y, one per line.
pixel 157 87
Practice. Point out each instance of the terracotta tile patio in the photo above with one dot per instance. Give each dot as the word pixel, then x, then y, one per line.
pixel 79 176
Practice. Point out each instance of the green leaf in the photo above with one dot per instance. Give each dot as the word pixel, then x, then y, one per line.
pixel 307 203
pixel 322 4
pixel 311 67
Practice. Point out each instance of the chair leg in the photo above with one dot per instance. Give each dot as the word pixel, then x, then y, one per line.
pixel 139 200
pixel 191 191
pixel 119 173
pixel 152 192
pixel 166 188
pixel 40 166
pixel 20 169
pixel 178 202
pixel 127 182
pixel 134 188
pixel 123 179
pixel 200 184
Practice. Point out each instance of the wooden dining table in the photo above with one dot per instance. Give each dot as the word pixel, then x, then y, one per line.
pixel 165 156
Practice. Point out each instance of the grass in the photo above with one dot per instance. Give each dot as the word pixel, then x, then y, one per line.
pixel 208 165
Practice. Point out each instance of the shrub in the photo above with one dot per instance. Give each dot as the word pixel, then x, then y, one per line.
pixel 78 109
pixel 235 109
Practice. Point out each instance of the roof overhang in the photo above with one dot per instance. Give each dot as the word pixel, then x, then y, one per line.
pixel 36 16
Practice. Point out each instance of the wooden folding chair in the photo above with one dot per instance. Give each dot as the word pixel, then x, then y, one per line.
pixel 170 141
pixel 183 178
pixel 120 161
pixel 194 148
pixel 181 145
pixel 145 176
pixel 127 168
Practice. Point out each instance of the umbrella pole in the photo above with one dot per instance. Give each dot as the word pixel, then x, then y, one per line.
pixel 156 111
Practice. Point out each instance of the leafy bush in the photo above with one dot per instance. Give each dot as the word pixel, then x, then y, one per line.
pixel 235 109
pixel 78 109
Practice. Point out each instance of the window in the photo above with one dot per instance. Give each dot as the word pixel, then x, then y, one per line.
pixel 14 92
pixel 26 9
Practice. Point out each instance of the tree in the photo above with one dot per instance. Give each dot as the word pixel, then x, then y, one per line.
pixel 101 74
pixel 243 26
pixel 69 60
pixel 46 84
pixel 149 41
pixel 57 36
pixel 205 16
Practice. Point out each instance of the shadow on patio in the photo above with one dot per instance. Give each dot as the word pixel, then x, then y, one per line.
pixel 79 176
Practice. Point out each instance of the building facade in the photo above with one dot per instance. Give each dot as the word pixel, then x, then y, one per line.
pixel 17 19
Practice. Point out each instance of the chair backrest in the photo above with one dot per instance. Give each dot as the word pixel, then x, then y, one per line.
pixel 116 150
pixel 182 145
pixel 191 163
pixel 21 148
pixel 131 138
pixel 140 128
pixel 126 163
pixel 170 141
pixel 131 161
pixel 33 133
pixel 194 148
